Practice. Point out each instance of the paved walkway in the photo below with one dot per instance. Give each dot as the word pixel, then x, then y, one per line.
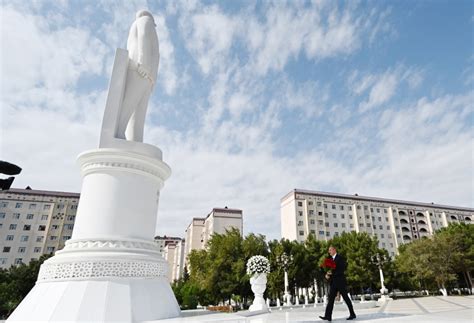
pixel 424 309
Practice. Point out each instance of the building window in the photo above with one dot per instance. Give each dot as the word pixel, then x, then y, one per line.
pixel 388 227
pixel 53 237
pixel 2 215
pixel 4 204
pixel 310 203
pixel 301 233
pixel 351 225
pixel 24 238
pixel 318 203
pixel 29 216
pixel 391 245
pixel 366 207
pixel 335 225
pixel 383 244
pixel 341 207
pixel 326 224
pixel 46 206
pixel 342 216
pixel 12 227
pixel 382 235
pixel 39 239
pixel 16 216
pixel 321 233
pixel 325 206
pixel 3 261
pixel 18 205
pixel 336 234
pixel 6 249
pixel 300 203
pixel 41 228
pixel 379 218
pixel 381 227
pixel 311 212
pixel 368 225
pixel 349 207
pixel 320 222
pixel 300 223
pixel 71 217
pixel 358 207
pixel 37 249
pixel 350 216
pixel 326 215
pixel 333 207
pixel 68 226
pixel 65 238
pixel 21 250
pixel 384 210
pixel 334 215
pixel 44 217
pixel 311 221
pixel 32 206
pixel 26 227
pixel 10 237
pixel 18 261
pixel 50 249
pixel 328 234
pixel 343 225
pixel 313 232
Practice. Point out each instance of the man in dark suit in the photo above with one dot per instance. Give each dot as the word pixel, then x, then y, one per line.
pixel 338 284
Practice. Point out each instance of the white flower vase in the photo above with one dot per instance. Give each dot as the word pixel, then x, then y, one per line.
pixel 258 283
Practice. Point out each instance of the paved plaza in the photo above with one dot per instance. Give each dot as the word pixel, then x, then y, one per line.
pixel 423 309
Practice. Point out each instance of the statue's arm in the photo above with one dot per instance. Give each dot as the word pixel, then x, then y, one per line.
pixel 145 33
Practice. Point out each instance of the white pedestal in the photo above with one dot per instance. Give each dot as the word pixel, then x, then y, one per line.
pixel 111 269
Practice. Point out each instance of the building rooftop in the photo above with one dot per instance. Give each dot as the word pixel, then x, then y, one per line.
pixel 40 192
pixel 378 199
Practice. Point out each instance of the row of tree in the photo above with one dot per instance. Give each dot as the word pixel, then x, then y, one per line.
pixel 217 274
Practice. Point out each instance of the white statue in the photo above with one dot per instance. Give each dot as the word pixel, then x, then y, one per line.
pixel 144 56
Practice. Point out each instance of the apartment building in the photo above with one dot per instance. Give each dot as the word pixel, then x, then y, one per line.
pixel 393 222
pixel 218 220
pixel 33 223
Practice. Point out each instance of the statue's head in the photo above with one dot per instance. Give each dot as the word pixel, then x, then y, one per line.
pixel 143 13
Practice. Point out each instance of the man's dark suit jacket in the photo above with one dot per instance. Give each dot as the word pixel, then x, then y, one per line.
pixel 338 277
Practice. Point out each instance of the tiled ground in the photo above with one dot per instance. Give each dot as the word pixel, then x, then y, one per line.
pixel 425 309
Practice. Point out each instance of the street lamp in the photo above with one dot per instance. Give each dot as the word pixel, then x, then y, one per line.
pixel 383 291
pixel 285 260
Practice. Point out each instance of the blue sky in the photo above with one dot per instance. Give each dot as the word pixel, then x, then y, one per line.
pixel 253 99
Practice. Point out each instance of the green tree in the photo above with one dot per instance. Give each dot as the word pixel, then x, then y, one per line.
pixel 16 282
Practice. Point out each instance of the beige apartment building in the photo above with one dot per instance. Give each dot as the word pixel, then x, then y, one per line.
pixel 218 220
pixel 172 250
pixel 33 223
pixel 393 222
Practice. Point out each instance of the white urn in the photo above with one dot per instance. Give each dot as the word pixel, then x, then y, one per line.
pixel 258 283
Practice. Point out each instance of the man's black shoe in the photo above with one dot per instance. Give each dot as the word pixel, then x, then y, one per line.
pixel 325 318
pixel 350 318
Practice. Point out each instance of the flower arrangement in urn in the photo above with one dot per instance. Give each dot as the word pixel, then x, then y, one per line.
pixel 258 267
pixel 328 265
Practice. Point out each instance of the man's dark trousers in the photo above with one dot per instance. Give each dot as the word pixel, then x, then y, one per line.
pixel 338 284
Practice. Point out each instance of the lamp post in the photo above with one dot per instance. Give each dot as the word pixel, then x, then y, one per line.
pixel 285 260
pixel 383 291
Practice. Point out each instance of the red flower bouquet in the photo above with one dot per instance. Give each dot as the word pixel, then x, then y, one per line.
pixel 328 265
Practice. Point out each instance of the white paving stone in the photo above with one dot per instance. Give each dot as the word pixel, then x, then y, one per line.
pixel 424 309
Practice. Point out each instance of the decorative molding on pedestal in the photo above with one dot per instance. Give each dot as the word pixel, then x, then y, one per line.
pixel 109 245
pixel 110 159
pixel 100 269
